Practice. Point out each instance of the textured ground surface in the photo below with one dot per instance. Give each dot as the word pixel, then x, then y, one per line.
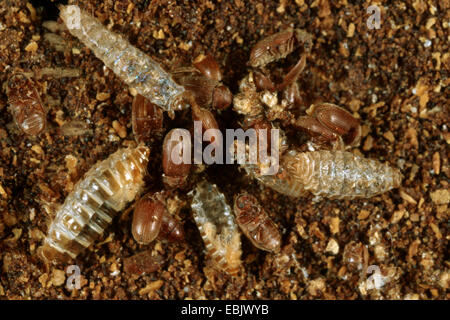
pixel 396 78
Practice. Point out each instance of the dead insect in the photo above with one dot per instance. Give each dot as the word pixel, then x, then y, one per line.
pixel 143 262
pixel 151 219
pixel 25 104
pixel 255 223
pixel 330 123
pixel 146 119
pixel 143 73
pixel 103 192
pixel 278 46
pixel 331 174
pixel 208 121
pixel 176 165
pixel 217 227
pixel 203 80
pixel 130 64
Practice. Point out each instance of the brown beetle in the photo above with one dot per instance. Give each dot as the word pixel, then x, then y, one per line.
pixel 176 169
pixel 255 223
pixel 203 81
pixel 151 219
pixel 328 123
pixel 25 103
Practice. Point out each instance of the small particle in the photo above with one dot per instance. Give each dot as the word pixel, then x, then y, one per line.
pixel 389 136
pixel 316 286
pixel 413 248
pixel 407 197
pixel 430 22
pixel 427 43
pixel 102 96
pixel 71 164
pixel 332 247
pixel 397 216
pixel 440 196
pixel 130 7
pixel 363 214
pixel 334 225
pixel 58 277
pixel 37 148
pixel 411 135
pixel 380 252
pixel 436 230
pixel 159 34
pixel 368 143
pixel 76 51
pixel 31 47
pixel 32 11
pixel 282 7
pixel 120 129
pixel 351 30
pixel 436 163
pixel 43 279
pixel 3 192
pixel 153 286
pixel 185 46
pixel 23 17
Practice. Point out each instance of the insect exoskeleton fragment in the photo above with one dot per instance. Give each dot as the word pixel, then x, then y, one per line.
pixel 130 64
pixel 25 104
pixel 332 174
pixel 95 200
pixel 217 227
pixel 255 223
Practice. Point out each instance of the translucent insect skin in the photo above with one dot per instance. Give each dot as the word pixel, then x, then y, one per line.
pixel 217 227
pixel 255 223
pixel 25 104
pixel 133 66
pixel 331 174
pixel 104 191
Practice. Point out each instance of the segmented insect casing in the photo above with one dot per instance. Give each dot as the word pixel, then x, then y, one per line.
pixel 332 174
pixel 25 104
pixel 255 223
pixel 133 66
pixel 103 192
pixel 217 227
pixel 278 46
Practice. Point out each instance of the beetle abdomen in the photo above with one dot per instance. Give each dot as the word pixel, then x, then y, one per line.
pixel 104 191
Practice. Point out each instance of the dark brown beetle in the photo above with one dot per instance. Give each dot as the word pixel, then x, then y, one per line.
pixel 329 123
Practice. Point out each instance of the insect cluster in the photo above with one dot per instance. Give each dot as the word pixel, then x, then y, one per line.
pixel 110 185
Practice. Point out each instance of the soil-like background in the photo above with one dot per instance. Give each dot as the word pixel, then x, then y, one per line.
pixel 395 78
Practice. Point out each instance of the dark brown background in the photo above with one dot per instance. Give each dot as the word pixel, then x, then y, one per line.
pixel 394 78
